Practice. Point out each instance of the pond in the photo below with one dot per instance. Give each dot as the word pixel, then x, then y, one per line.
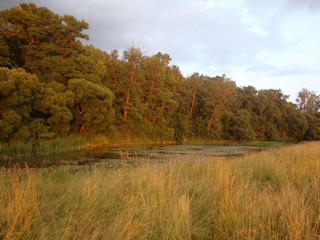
pixel 130 155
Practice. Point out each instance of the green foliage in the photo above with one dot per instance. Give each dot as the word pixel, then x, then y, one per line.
pixel 93 106
pixel 9 123
pixel 41 41
pixel 90 64
pixel 313 132
pixel 19 92
pixel 34 130
pixel 56 103
pixel 298 125
pixel 308 102
pixel 5 56
pixel 51 85
pixel 238 126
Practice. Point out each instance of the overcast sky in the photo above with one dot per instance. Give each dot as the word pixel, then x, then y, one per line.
pixel 264 43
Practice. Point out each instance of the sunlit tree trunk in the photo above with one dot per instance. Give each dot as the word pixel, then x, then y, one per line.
pixel 126 106
pixel 192 104
pixel 133 57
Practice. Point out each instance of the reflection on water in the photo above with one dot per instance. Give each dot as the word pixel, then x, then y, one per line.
pixel 117 156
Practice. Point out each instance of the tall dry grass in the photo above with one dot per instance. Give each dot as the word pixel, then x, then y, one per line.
pixel 269 195
pixel 18 200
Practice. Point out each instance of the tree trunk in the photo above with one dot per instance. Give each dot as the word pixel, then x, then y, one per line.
pixel 125 112
pixel 210 121
pixel 114 75
pixel 149 97
pixel 82 128
pixel 127 100
pixel 192 104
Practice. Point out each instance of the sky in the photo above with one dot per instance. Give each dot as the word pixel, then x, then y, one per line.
pixel 268 44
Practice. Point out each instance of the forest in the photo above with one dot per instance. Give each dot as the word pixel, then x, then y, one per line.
pixel 53 85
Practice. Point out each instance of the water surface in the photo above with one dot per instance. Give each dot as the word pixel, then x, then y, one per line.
pixel 118 156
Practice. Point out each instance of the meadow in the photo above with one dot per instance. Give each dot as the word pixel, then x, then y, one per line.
pixel 273 194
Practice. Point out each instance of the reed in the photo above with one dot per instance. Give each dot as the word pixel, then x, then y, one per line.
pixel 48 146
pixel 267 195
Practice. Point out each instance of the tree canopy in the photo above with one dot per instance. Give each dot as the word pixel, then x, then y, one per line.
pixel 53 85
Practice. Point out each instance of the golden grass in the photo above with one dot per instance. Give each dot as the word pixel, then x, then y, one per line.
pixel 268 195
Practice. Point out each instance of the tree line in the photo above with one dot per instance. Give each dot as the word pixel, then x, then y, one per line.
pixel 53 85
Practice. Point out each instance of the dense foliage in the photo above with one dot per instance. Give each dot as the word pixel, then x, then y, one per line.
pixel 52 85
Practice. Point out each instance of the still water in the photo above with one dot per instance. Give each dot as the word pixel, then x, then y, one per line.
pixel 131 155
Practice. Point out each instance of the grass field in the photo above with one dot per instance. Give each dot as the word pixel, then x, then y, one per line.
pixel 273 194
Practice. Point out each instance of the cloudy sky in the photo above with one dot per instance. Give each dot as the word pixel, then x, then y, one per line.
pixel 264 43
